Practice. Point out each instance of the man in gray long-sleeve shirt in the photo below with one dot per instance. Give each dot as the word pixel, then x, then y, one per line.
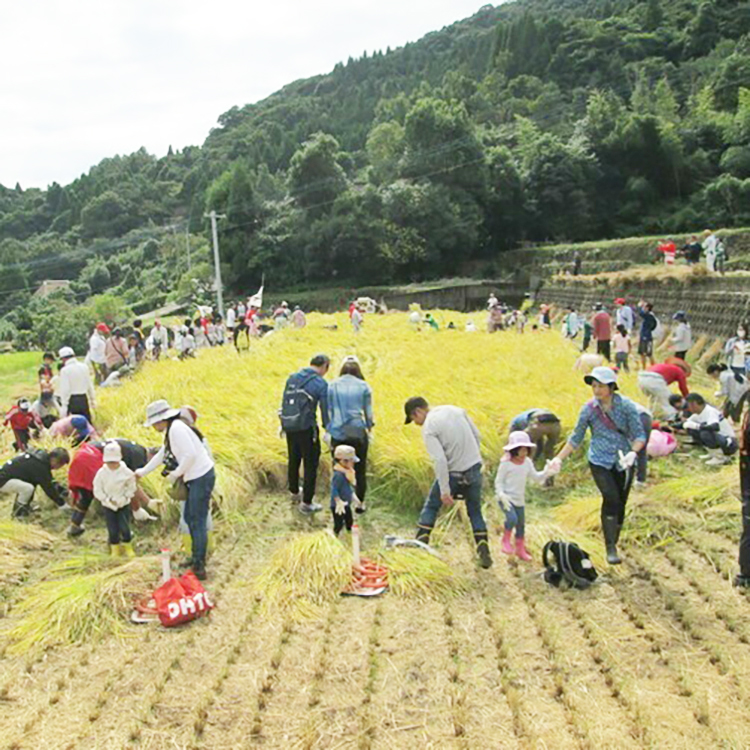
pixel 452 440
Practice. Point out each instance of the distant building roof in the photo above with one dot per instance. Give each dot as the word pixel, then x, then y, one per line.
pixel 51 285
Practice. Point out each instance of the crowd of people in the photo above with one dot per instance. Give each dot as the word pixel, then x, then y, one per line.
pixel 338 413
pixel 711 247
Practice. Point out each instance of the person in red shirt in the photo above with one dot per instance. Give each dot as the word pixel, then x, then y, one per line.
pixel 23 422
pixel 602 325
pixel 655 381
pixel 669 250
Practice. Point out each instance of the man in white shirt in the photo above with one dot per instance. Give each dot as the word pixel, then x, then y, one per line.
pixel 76 388
pixel 97 352
pixel 452 440
pixel 624 315
pixel 709 428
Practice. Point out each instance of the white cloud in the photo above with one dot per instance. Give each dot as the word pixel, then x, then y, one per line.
pixel 86 79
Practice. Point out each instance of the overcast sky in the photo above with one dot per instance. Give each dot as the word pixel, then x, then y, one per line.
pixel 86 79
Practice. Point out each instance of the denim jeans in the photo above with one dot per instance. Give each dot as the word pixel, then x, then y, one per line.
pixel 469 486
pixel 196 513
pixel 515 518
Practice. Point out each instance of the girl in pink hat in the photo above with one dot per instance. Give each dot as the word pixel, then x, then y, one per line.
pixel 515 469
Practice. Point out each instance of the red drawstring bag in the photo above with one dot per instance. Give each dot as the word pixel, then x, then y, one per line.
pixel 181 600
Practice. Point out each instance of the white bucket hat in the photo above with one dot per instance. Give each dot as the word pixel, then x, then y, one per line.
pixel 112 451
pixel 66 352
pixel 158 411
pixel 518 439
pixel 344 452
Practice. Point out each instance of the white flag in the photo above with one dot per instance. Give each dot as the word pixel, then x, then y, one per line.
pixel 257 299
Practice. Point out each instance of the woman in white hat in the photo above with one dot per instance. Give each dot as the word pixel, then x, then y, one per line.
pixel 516 468
pixel 185 457
pixel 617 435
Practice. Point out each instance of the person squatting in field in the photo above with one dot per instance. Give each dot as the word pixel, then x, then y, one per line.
pixel 515 469
pixel 453 442
pixel 21 475
pixel 617 435
pixel 708 428
pixel 184 456
pixel 343 482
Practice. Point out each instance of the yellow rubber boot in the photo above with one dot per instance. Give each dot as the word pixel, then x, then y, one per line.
pixel 114 550
pixel 186 544
pixel 126 549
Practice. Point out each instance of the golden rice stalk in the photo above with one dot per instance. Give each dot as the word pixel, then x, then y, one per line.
pixel 304 573
pixel 704 489
pixel 417 574
pixel 581 514
pixel 80 607
pixel 24 535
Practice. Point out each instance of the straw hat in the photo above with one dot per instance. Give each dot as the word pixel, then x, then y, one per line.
pixel 158 411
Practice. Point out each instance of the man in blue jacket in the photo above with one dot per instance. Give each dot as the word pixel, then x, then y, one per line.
pixel 305 391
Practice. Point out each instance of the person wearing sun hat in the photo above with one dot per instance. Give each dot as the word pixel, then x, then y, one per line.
pixel 617 435
pixel 185 457
pixel 115 488
pixel 516 468
pixel 343 482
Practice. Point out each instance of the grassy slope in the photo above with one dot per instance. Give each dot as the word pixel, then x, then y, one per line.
pixel 18 375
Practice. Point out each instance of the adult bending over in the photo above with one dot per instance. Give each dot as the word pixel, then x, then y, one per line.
pixel 616 438
pixel 452 440
pixel 351 419
pixel 20 476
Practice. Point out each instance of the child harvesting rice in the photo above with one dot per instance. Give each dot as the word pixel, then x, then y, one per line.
pixel 114 488
pixel 343 481
pixel 515 469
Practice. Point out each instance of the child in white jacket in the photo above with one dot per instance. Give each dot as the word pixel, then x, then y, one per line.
pixel 114 488
pixel 515 469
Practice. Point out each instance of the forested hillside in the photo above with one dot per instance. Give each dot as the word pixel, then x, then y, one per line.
pixel 535 120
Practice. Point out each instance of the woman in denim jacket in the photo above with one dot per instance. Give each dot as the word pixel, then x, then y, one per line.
pixel 350 417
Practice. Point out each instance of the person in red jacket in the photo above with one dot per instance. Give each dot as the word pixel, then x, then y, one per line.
pixel 669 250
pixel 655 381
pixel 23 422
pixel 602 325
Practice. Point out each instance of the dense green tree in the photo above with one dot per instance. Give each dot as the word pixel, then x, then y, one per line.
pixel 315 175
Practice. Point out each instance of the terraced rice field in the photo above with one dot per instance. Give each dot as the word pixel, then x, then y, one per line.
pixel 654 656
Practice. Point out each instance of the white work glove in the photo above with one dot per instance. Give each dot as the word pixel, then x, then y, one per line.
pixel 138 473
pixel 154 503
pixel 340 508
pixel 143 515
pixel 504 501
pixel 327 438
pixel 627 460
pixel 357 504
pixel 691 425
pixel 555 465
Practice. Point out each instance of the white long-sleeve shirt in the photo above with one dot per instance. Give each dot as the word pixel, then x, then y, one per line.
pixel 114 489
pixel 511 479
pixel 97 347
pixel 193 457
pixel 452 440
pixel 682 337
pixel 75 380
pixel 730 388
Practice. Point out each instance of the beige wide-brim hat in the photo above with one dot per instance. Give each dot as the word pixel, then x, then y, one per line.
pixel 158 411
pixel 344 452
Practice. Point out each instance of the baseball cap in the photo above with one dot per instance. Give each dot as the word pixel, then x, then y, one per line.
pixel 603 375
pixel 411 405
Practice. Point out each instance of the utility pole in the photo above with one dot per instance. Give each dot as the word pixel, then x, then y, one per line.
pixel 187 243
pixel 217 262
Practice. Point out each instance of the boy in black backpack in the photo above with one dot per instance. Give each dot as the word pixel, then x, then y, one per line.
pixel 303 393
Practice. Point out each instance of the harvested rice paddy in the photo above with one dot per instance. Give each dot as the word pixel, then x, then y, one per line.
pixel 656 655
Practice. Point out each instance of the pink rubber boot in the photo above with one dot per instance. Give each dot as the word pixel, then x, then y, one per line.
pixel 506 548
pixel 521 550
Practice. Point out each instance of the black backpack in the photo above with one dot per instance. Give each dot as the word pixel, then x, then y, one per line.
pixel 571 565
pixel 297 405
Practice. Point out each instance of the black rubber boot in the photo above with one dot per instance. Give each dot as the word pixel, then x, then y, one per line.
pixel 423 534
pixel 20 510
pixel 611 527
pixel 483 549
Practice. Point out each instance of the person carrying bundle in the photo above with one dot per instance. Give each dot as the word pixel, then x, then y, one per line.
pixel 515 469
pixel 115 488
pixel 343 482
pixel 617 435
pixel 452 440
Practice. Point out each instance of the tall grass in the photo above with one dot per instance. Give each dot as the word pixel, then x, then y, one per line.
pixel 493 376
